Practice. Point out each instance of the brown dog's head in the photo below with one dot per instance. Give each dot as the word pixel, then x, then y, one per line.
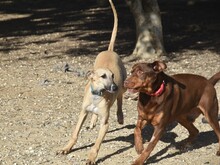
pixel 144 77
pixel 102 80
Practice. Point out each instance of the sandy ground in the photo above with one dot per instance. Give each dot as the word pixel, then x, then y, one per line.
pixel 40 103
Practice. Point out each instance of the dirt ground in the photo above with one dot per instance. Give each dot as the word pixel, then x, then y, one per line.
pixel 40 103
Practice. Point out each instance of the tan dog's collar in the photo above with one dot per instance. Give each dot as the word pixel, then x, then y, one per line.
pixel 95 92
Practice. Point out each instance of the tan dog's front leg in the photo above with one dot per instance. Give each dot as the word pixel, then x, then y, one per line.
pixel 102 132
pixel 75 134
pixel 93 121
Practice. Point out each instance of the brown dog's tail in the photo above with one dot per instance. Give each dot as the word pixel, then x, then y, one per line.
pixel 215 78
pixel 115 27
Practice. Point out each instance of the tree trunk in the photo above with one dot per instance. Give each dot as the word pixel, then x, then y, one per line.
pixel 149 33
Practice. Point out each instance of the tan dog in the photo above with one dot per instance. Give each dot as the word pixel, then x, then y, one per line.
pixel 104 87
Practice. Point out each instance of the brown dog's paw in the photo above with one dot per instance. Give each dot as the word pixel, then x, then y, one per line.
pixel 185 146
pixel 218 153
pixel 139 149
pixel 137 163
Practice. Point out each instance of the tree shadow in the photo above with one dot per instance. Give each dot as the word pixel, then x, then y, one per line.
pixel 194 27
pixel 191 27
pixel 84 21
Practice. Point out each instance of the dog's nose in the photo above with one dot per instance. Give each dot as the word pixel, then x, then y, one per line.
pixel 114 87
pixel 125 83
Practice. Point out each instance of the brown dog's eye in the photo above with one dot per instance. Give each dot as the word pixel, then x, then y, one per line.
pixel 103 76
pixel 140 72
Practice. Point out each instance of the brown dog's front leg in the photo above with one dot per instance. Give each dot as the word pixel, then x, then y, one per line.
pixel 158 132
pixel 138 137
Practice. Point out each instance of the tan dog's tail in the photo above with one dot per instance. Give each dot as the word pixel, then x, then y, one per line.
pixel 115 27
pixel 215 78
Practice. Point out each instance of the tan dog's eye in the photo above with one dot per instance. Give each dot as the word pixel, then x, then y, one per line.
pixel 103 76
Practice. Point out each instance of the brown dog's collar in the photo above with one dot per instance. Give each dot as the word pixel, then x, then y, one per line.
pixel 159 91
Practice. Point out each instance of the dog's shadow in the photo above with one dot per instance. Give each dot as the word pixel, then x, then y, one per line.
pixel 168 137
pixel 200 142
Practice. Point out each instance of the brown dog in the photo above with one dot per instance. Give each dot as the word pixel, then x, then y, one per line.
pixel 104 87
pixel 163 99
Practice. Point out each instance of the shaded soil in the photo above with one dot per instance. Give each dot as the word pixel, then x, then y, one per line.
pixel 40 103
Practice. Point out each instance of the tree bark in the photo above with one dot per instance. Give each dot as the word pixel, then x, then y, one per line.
pixel 149 33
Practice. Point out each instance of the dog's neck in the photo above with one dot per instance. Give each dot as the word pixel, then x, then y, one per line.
pixel 95 92
pixel 159 91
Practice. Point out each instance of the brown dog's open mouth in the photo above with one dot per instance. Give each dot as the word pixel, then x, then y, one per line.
pixel 132 90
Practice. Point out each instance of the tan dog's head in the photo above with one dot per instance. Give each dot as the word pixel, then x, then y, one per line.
pixel 102 80
pixel 144 77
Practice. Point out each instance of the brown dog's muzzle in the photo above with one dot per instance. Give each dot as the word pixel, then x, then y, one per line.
pixel 128 83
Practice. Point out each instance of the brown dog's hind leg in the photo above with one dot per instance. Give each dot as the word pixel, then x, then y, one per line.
pixel 193 131
pixel 211 116
pixel 209 106
pixel 120 115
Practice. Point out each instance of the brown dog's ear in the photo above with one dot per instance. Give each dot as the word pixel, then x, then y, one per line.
pixel 134 66
pixel 159 66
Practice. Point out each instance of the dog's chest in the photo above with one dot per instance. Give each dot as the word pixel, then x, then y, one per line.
pixel 92 108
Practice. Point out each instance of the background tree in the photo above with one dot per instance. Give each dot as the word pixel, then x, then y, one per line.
pixel 149 32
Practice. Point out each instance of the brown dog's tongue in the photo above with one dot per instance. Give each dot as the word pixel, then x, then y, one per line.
pixel 132 91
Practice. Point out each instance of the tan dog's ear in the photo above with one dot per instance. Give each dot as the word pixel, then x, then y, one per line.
pixel 159 66
pixel 89 74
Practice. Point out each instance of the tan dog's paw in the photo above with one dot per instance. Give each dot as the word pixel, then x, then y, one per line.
pixel 89 162
pixel 120 118
pixel 63 152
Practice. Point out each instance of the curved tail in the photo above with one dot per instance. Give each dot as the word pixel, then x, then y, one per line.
pixel 115 27
pixel 215 78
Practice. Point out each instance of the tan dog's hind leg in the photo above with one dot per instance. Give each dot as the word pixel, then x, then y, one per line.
pixel 75 134
pixel 102 132
pixel 93 121
pixel 119 109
